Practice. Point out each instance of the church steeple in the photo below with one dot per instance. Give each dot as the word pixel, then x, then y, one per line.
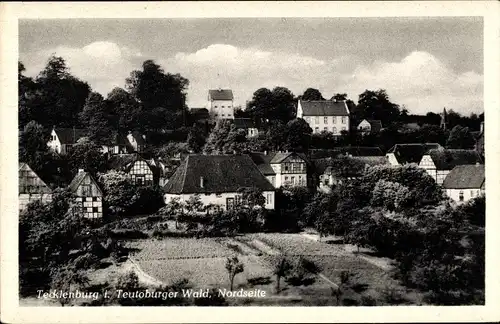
pixel 444 122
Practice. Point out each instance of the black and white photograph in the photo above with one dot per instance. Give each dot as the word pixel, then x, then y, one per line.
pixel 252 161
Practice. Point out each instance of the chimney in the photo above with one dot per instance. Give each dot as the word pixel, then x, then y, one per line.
pixel 482 127
pixel 202 182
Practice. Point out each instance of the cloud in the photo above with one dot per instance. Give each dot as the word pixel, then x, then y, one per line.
pixel 420 81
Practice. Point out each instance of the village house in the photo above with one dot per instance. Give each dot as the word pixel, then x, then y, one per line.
pixel 370 126
pixel 31 187
pixel 465 182
pixel 248 125
pixel 401 154
pixel 282 169
pixel 119 145
pixel 62 139
pixel 439 162
pixel 217 179
pixel 140 171
pixel 220 103
pixel 88 195
pixel 325 115
pixel 137 141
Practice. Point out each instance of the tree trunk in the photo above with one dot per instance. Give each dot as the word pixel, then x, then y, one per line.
pixel 231 282
pixel 278 278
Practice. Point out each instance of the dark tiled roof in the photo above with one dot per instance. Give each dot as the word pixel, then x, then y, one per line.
pixel 465 177
pixel 262 161
pixel 412 153
pixel 221 94
pixel 244 123
pixel 36 183
pixel 447 159
pixel 375 124
pixel 77 180
pixel 123 162
pixel 70 135
pixel 324 108
pixel 221 173
pixel 322 165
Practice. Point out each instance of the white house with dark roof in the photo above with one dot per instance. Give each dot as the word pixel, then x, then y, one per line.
pixel 401 154
pixel 248 125
pixel 140 171
pixel 465 182
pixel 220 103
pixel 370 126
pixel 62 139
pixel 31 187
pixel 282 169
pixel 217 179
pixel 88 195
pixel 325 115
pixel 439 162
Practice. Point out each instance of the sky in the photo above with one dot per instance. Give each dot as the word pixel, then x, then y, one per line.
pixel 424 64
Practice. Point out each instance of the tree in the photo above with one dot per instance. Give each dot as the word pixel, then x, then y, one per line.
pixel 281 266
pixel 26 88
pixel 88 156
pixel 125 109
pixel 218 138
pixel 277 104
pixel 233 267
pixel 460 138
pixel 261 103
pixel 196 139
pixel 312 94
pixel 153 88
pixel 376 105
pixel 119 191
pixel 276 135
pixel 298 135
pixel 69 281
pixel 343 167
pixel 252 197
pixel 390 195
pixel 97 119
pixel 60 97
pixel 236 141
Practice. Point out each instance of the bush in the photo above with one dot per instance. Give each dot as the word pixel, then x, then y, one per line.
pixel 86 261
pixel 301 272
pixel 128 234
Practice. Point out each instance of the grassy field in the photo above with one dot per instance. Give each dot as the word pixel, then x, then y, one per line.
pixel 202 262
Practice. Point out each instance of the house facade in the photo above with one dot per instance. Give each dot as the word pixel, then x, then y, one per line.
pixel 465 182
pixel 282 169
pixel 247 125
pixel 88 195
pixel 217 180
pixel 31 187
pixel 119 145
pixel 325 115
pixel 220 103
pixel 62 139
pixel 370 126
pixel 140 171
pixel 439 162
pixel 401 154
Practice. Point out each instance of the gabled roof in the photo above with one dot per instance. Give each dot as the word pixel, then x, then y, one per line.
pixel 220 94
pixel 138 137
pixel 447 159
pixel 375 124
pixel 263 160
pixel 124 162
pixel 220 173
pixel 324 108
pixel 25 173
pixel 77 180
pixel 70 135
pixel 412 153
pixel 244 123
pixel 465 177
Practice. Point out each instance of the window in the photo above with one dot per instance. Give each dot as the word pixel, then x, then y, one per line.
pixel 215 106
pixel 228 115
pixel 343 119
pixel 286 166
pixel 292 180
pixel 325 120
pixel 86 189
pixel 218 195
pixel 216 114
pixel 316 129
pixel 326 129
pixel 333 119
pixel 286 179
pixel 222 115
pixel 334 130
pixel 139 181
pixel 222 107
pixel 269 198
pixel 95 209
pixel 472 193
pixel 316 120
pixel 326 182
pixel 461 195
pixel 230 203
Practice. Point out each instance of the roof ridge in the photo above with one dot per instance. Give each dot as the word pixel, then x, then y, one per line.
pixel 185 172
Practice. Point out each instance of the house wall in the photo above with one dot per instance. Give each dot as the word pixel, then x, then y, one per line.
pixel 141 173
pixel 392 159
pixel 220 199
pixel 252 132
pixel 467 194
pixel 54 144
pixel 25 199
pixel 272 180
pixel 365 126
pixel 91 207
pixel 221 109
pixel 332 124
pixel 284 178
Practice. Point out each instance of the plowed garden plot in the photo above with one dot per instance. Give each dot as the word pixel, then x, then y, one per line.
pixel 207 272
pixel 178 248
